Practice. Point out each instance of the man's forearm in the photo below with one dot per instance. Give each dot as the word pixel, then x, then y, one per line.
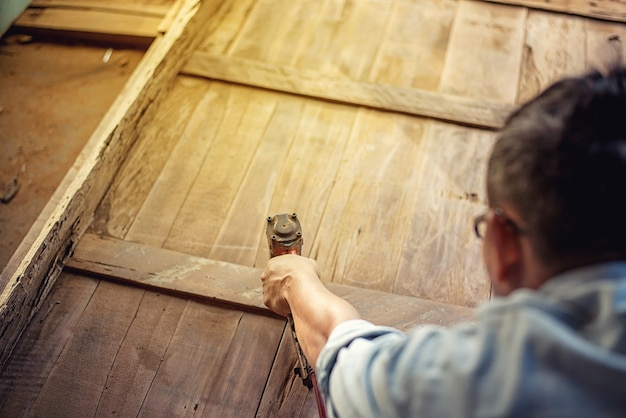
pixel 316 312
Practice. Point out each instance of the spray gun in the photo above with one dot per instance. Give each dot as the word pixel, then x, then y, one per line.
pixel 284 236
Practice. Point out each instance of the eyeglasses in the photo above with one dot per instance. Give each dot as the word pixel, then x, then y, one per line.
pixel 480 223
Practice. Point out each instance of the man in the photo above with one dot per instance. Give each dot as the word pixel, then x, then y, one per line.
pixel 553 341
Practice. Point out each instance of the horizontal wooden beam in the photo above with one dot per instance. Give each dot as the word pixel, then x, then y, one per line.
pixel 613 10
pixel 308 83
pixel 138 8
pixel 109 22
pixel 184 274
pixel 37 262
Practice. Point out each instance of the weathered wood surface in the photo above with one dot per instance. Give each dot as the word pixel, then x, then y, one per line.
pixel 354 175
pixel 238 285
pixel 32 270
pixel 600 9
pixel 124 351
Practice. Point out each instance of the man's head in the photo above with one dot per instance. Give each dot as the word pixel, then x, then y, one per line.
pixel 558 169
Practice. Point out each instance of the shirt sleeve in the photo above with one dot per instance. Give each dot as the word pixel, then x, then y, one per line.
pixel 366 370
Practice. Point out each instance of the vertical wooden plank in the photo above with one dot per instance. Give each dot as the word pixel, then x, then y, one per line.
pixel 229 27
pixel 275 31
pixel 310 169
pixel 413 51
pixel 140 355
pixel 285 395
pixel 485 51
pixel 217 181
pixel 604 40
pixel 238 238
pixel 554 48
pixel 86 359
pixel 361 233
pixel 210 354
pixel 441 258
pixel 194 354
pixel 40 346
pixel 147 158
pixel 346 40
pixel 238 386
pixel 158 212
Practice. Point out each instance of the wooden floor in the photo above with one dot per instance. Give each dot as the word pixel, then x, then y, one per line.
pixel 386 198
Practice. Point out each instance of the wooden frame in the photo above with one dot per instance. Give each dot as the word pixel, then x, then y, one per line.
pixel 38 261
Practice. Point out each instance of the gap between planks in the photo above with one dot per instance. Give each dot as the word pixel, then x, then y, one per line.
pixel 237 285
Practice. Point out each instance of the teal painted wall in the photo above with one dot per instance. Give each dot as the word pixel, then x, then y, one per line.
pixel 9 11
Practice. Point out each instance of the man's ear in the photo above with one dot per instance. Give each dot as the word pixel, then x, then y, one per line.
pixel 506 256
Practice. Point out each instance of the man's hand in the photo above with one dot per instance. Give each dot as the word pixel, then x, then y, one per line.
pixel 280 276
pixel 291 284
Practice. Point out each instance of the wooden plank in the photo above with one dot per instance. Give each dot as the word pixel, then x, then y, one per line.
pixel 238 385
pixel 137 175
pixel 24 375
pixel 238 238
pixel 239 285
pixel 134 7
pixel 195 371
pixel 140 354
pixel 105 22
pixel 285 395
pixel 221 39
pixel 153 222
pixel 446 199
pixel 324 131
pixel 413 51
pixel 86 359
pixel 211 182
pixel 484 52
pixel 600 9
pixel 449 107
pixel 343 43
pixel 605 42
pixel 360 236
pixel 554 48
pixel 27 279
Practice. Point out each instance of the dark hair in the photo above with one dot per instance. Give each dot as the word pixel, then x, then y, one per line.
pixel 560 161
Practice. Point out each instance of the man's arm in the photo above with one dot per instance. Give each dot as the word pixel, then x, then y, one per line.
pixel 291 284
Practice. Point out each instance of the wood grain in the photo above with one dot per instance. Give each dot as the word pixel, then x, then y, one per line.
pixel 146 159
pixel 36 264
pixel 441 258
pixel 218 179
pixel 305 181
pixel 193 369
pixel 484 52
pixel 140 355
pixel 599 9
pixel 285 395
pixel 238 238
pixel 107 22
pixel 606 45
pixel 153 222
pixel 554 48
pixel 22 379
pixel 141 8
pixel 478 111
pixel 89 354
pixel 413 50
pixel 238 285
pixel 360 236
